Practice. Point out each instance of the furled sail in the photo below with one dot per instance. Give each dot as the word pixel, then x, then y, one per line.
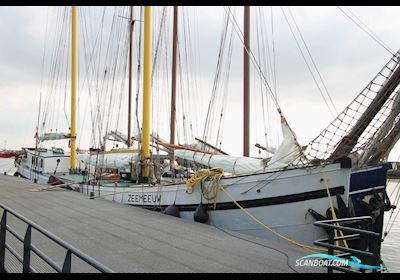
pixel 117 136
pixel 54 136
pixel 288 152
pixel 109 160
pixel 231 164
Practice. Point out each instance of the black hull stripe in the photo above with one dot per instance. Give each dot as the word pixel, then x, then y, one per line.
pixel 254 202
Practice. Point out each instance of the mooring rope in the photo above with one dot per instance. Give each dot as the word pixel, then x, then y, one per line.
pixel 215 175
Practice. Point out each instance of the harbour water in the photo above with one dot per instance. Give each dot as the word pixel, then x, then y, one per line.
pixel 390 247
pixel 7 165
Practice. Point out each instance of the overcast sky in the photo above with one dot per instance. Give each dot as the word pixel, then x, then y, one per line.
pixel 346 57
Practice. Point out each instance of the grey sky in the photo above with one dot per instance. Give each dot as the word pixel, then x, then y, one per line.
pixel 346 57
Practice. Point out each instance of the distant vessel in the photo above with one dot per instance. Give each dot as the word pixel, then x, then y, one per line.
pixel 4 153
pixel 7 154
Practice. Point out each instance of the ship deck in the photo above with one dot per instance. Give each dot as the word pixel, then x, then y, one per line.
pixel 130 239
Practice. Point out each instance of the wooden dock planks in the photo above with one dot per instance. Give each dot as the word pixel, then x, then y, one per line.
pixel 130 239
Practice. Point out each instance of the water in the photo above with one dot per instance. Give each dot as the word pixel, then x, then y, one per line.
pixel 7 165
pixel 390 247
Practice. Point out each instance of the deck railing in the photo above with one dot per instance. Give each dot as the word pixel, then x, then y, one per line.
pixel 28 247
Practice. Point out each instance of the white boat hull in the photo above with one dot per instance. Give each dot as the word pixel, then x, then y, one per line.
pixel 280 200
pixel 29 174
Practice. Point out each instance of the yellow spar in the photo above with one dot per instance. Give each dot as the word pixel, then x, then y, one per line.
pixel 73 91
pixel 146 93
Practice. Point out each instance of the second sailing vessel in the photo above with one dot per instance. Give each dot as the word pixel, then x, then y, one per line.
pixel 40 164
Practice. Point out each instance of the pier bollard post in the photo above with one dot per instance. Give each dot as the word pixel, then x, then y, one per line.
pixel 91 195
pixel 5 173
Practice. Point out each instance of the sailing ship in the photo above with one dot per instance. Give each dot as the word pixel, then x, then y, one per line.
pixel 41 164
pixel 57 166
pixel 285 195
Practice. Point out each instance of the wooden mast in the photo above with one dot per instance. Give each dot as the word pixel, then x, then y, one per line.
pixel 246 83
pixel 173 86
pixel 131 22
pixel 73 91
pixel 146 94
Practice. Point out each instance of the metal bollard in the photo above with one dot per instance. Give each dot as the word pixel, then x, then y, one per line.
pixel 91 195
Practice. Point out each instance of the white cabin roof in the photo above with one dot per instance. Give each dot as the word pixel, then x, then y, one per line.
pixel 48 154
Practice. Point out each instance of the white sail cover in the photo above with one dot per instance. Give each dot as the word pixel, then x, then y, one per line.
pixel 112 161
pixel 288 152
pixel 54 136
pixel 116 135
pixel 235 165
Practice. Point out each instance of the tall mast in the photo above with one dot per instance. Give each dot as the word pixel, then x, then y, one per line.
pixel 131 22
pixel 173 95
pixel 146 93
pixel 73 91
pixel 246 83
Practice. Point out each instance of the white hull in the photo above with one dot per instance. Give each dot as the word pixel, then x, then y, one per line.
pixel 280 200
pixel 29 174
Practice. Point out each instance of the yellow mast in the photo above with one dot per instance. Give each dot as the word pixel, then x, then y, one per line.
pixel 72 163
pixel 146 93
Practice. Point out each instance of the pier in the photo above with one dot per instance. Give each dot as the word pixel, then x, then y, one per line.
pixel 130 239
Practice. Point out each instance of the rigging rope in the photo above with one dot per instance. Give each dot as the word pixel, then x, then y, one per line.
pixel 274 56
pixel 395 202
pixel 217 101
pixel 313 62
pixel 366 30
pixel 263 47
pixel 232 18
pixel 308 66
pixel 50 99
pixel 328 140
